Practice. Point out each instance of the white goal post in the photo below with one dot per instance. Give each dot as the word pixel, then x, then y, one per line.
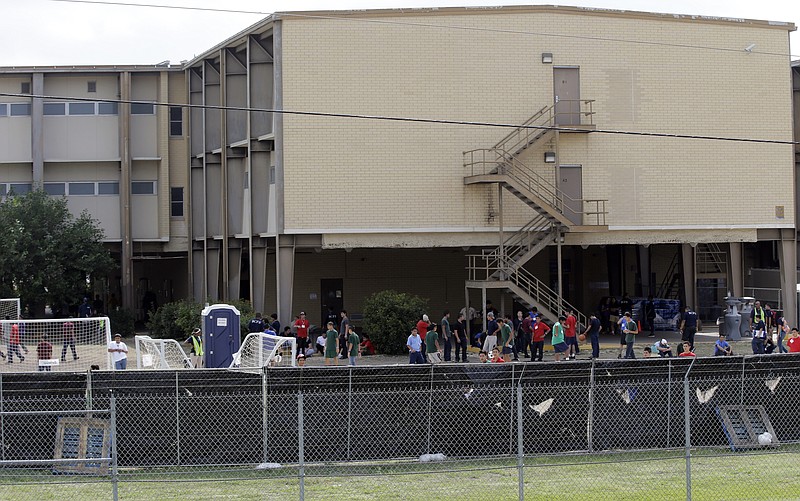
pixel 55 344
pixel 260 349
pixel 155 354
pixel 10 307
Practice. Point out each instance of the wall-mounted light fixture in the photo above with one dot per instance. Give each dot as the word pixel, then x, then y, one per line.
pixel 547 58
pixel 549 157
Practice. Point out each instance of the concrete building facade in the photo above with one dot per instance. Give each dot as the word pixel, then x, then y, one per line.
pixel 65 130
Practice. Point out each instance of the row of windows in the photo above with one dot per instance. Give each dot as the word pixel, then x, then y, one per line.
pixel 81 188
pixel 82 108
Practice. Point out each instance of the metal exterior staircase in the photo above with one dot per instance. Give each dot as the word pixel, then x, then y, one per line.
pixel 502 267
pixel 711 259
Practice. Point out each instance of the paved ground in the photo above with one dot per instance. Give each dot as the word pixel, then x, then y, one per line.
pixel 609 348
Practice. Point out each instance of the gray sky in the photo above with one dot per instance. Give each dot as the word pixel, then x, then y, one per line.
pixel 47 32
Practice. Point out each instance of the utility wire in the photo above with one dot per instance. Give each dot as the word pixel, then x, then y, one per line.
pixel 426 25
pixel 388 118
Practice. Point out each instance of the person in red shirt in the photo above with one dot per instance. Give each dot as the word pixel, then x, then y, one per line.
pixel 570 334
pixel 687 351
pixel 794 341
pixel 14 344
pixel 44 350
pixel 497 358
pixel 540 330
pixel 301 324
pixel 422 329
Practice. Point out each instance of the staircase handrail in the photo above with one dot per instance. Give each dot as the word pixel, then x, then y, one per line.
pixel 542 119
pixel 502 162
pixel 532 286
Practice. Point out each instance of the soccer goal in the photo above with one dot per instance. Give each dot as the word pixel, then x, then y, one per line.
pixel 10 308
pixel 157 354
pixel 260 349
pixel 55 344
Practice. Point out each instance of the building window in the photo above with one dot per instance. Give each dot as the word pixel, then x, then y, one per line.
pixel 108 188
pixel 55 189
pixel 176 202
pixel 175 121
pixel 143 109
pixel 81 189
pixel 25 88
pixel 91 86
pixel 54 109
pixel 20 109
pixel 3 189
pixel 81 108
pixel 143 188
pixel 107 108
pixel 19 188
pixel 3 109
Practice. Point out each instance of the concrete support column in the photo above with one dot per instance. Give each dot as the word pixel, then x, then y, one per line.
pixel 198 272
pixel 258 277
pixel 37 125
pixel 212 287
pixel 128 300
pixel 689 274
pixel 284 269
pixel 787 253
pixel 735 270
pixel 234 279
pixel 644 270
pixel 224 218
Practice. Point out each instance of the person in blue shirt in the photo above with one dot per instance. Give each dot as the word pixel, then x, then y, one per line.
pixel 688 326
pixel 414 345
pixel 722 348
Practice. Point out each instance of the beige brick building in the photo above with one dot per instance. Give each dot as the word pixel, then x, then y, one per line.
pixel 603 190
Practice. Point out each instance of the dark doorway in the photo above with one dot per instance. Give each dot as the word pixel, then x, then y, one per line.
pixel 332 296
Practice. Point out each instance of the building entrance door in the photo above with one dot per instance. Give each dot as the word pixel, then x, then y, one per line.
pixel 570 183
pixel 567 92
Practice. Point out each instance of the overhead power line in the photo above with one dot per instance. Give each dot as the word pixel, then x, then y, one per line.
pixel 429 25
pixel 389 118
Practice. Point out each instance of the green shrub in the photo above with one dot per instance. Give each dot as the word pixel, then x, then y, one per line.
pixel 389 317
pixel 122 321
pixel 246 313
pixel 175 320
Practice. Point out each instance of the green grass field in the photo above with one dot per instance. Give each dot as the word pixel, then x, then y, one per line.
pixel 623 476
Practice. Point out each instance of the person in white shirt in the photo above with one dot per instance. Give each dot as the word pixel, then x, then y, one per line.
pixel 119 353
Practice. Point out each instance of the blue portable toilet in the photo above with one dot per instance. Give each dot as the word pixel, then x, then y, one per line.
pixel 220 334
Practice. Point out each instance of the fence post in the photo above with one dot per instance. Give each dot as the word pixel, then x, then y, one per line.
pixel 349 409
pixel 114 472
pixel 590 416
pixel 430 405
pixel 264 416
pixel 177 422
pixel 300 451
pixel 89 390
pixel 687 432
pixel 669 400
pixel 2 420
pixel 520 451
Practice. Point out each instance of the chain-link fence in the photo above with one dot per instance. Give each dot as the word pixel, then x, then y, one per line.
pixel 708 428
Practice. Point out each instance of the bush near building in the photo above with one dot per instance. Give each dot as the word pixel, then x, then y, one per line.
pixel 388 318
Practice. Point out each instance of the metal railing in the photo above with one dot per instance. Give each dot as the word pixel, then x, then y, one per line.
pixel 484 161
pixel 490 267
pixel 574 111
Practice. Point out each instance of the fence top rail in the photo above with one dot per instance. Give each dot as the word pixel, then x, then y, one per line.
pixel 55 413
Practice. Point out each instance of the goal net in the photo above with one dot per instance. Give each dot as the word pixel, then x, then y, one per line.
pixel 56 344
pixel 160 354
pixel 10 308
pixel 260 349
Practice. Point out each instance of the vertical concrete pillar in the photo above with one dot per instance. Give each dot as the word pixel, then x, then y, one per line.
pixel 258 277
pixel 284 269
pixel 37 130
pixel 689 275
pixel 212 287
pixel 128 300
pixel 735 270
pixel 644 270
pixel 787 253
pixel 234 279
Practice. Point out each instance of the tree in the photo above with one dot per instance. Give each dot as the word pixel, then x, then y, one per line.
pixel 47 255
pixel 388 318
